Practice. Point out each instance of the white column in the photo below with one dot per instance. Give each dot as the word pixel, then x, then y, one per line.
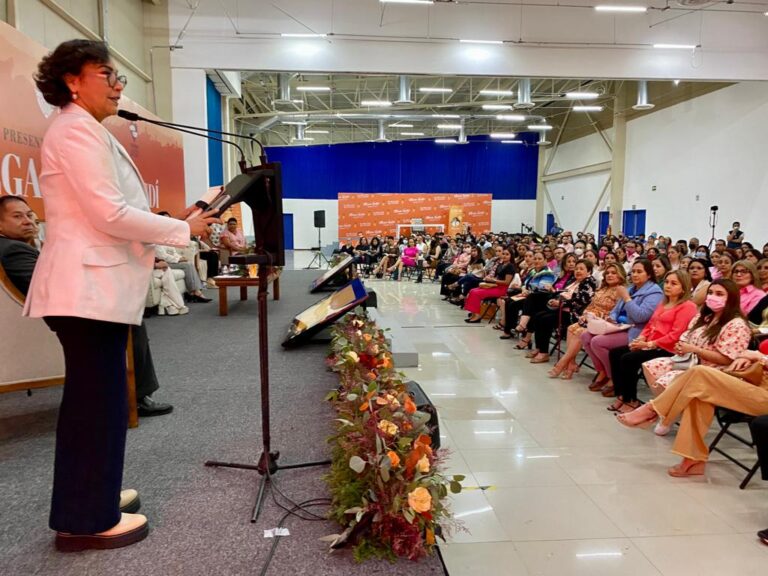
pixel 189 107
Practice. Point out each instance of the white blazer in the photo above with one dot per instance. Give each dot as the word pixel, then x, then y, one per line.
pixel 99 251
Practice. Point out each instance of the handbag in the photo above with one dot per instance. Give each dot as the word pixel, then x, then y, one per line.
pixel 753 374
pixel 488 285
pixel 684 361
pixel 599 326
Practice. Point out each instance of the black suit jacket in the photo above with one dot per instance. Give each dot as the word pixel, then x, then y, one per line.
pixel 18 260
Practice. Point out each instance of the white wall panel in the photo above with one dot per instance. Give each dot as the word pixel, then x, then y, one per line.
pixel 304 231
pixel 574 199
pixel 508 215
pixel 189 107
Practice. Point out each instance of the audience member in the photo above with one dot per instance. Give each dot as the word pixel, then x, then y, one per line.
pixel 492 286
pixel 232 238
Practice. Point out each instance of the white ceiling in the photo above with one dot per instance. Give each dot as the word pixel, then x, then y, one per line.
pixel 543 38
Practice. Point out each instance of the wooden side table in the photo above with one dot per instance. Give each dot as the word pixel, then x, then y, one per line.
pixel 224 282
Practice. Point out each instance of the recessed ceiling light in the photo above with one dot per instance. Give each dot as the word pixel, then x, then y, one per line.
pixel 511 117
pixel 297 101
pixel 497 106
pixel 607 8
pixel 305 35
pixel 446 141
pixel 676 46
pixel 582 95
pixel 540 127
pixel 313 88
pixel 587 108
pixel 449 126
pixel 481 41
pixel 676 82
pixel 375 103
pixel 316 132
pixel 401 125
pixel 445 116
pixel 496 92
pixel 511 141
pixel 295 122
pixel 503 135
pixel 435 90
pixel 411 133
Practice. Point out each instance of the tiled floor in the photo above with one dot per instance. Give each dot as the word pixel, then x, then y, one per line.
pixel 565 489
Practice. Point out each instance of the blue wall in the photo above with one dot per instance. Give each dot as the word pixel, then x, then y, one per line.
pixel 215 156
pixel 484 166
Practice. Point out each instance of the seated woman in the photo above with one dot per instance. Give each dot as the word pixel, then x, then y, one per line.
pixel 562 310
pixel 432 254
pixel 539 280
pixel 410 258
pixel 723 263
pixel 601 306
pixel 762 274
pixel 716 336
pixel 674 257
pixel 491 287
pixel 745 276
pixel 389 255
pixel 635 307
pixel 658 339
pixel 536 302
pixel 470 255
pixel 661 266
pixel 698 270
pixel 175 259
pixel 693 396
pixel 447 257
pixel 752 255
pixel 467 282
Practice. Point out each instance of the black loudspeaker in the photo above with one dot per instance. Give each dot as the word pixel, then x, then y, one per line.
pixel 372 301
pixel 319 218
pixel 424 404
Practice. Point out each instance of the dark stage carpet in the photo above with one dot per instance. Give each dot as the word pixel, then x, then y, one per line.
pixel 200 517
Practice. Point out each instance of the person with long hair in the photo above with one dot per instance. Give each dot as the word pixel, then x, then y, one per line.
pixel 744 274
pixel 723 264
pixel 635 307
pixel 602 304
pixel 539 279
pixel 661 266
pixel 698 270
pixel 658 339
pixel 90 285
pixel 492 286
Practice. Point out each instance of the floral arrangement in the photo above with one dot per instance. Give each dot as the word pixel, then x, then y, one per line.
pixel 385 480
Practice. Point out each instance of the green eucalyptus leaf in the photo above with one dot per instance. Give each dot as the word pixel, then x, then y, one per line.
pixel 357 464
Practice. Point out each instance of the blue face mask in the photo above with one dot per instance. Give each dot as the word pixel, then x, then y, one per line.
pixel 701 254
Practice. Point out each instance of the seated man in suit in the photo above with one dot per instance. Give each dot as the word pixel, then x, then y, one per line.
pixel 18 258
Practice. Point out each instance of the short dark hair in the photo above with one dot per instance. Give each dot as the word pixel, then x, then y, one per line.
pixel 4 200
pixel 68 58
pixel 647 266
pixel 233 219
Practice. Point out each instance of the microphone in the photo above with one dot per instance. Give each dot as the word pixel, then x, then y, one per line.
pixel 133 117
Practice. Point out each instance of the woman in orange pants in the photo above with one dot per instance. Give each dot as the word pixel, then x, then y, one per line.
pixel 693 396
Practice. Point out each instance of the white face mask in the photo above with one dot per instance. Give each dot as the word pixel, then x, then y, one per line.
pixel 578 251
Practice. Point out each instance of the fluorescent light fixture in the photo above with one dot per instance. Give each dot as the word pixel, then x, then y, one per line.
pixel 497 106
pixel 511 141
pixel 316 132
pixel 496 92
pixel 407 1
pixel 676 46
pixel 587 108
pixel 302 139
pixel 313 88
pixel 401 125
pixel 435 90
pixel 446 141
pixel 511 117
pixel 411 133
pixel 491 412
pixel 481 41
pixel 503 135
pixel 297 101
pixel 445 116
pixel 304 35
pixel 449 126
pixel 608 8
pixel 375 103
pixel 582 95
pixel 540 127
pixel 295 122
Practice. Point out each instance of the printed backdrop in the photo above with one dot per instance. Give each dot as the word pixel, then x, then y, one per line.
pixel 379 214
pixel 25 116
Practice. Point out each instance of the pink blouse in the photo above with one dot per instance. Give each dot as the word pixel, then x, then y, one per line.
pixel 750 296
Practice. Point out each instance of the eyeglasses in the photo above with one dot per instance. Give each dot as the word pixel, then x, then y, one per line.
pixel 112 78
pixel 739 271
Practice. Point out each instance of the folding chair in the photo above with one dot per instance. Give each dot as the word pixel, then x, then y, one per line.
pixel 727 418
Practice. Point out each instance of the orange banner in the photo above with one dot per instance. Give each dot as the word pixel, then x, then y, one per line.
pixel 380 214
pixel 25 116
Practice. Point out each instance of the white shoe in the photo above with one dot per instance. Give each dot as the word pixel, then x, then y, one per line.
pixel 661 429
pixel 183 310
pixel 171 310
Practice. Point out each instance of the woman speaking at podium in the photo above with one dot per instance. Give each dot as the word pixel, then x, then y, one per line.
pixel 89 286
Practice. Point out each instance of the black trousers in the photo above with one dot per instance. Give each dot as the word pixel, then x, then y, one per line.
pixel 212 258
pixel 536 302
pixel 511 312
pixel 544 324
pixel 144 367
pixel 448 278
pixel 93 418
pixel 625 367
pixel 759 429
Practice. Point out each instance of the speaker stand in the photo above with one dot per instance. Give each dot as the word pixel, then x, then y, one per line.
pixel 267 464
pixel 319 258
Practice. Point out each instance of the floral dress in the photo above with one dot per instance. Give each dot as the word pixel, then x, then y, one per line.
pixel 732 341
pixel 602 303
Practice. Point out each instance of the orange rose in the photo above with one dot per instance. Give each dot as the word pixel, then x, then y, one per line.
pixel 394 459
pixel 388 427
pixel 420 500
pixel 409 405
pixel 423 464
pixel 367 337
